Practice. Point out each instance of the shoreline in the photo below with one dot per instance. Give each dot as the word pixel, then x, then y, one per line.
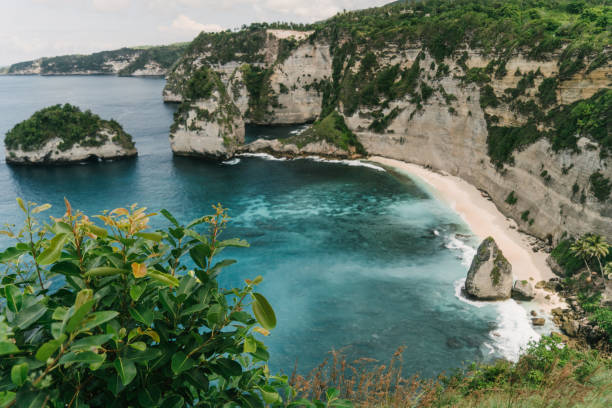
pixel 484 219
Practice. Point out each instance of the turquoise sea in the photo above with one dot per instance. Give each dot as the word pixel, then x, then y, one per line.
pixel 355 258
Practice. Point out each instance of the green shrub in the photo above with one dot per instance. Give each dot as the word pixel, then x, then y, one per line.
pixel 69 124
pixel 333 130
pixel 566 258
pixel 525 215
pixel 201 84
pixel 547 92
pixel 111 316
pixel 502 142
pixel 488 97
pixel 600 186
pixel 511 199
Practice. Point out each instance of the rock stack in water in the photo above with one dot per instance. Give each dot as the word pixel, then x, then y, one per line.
pixel 490 275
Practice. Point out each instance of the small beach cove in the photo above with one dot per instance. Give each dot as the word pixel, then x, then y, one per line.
pixel 484 220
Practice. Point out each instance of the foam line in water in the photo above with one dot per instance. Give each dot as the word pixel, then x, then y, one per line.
pixel 264 156
pixel 232 162
pixel 513 331
pixel 358 163
pixel 466 251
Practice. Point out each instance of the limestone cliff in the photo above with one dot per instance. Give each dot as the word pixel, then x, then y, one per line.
pixel 528 123
pixel 50 153
pixel 208 123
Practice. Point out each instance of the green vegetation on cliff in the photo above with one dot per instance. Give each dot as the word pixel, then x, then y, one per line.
pixel 134 58
pixel 67 123
pixel 330 129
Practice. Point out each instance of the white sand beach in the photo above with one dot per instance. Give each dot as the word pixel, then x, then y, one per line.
pixel 484 219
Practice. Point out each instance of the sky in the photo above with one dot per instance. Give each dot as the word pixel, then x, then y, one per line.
pixel 30 29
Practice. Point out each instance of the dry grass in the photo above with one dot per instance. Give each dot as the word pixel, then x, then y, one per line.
pixel 503 384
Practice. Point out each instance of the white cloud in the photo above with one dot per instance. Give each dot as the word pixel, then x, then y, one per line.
pixel 186 25
pixel 111 5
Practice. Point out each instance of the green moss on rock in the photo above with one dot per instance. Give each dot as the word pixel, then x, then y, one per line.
pixel 69 124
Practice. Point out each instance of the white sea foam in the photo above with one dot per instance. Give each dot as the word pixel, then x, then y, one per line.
pixel 513 331
pixel 358 163
pixel 232 162
pixel 299 131
pixel 264 156
pixel 466 251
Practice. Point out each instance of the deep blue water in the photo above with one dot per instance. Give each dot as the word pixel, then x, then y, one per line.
pixel 349 254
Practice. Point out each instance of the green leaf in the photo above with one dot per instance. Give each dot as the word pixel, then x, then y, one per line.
pixel 19 374
pixel 215 315
pixel 143 316
pixel 149 397
pixel 261 354
pixel 234 242
pixel 263 312
pixel 27 398
pixel 97 318
pixel 97 231
pixel 173 401
pixel 242 317
pixel 85 357
pixel 66 268
pixel 8 348
pixel 30 315
pixel 136 292
pixel 164 278
pixel 46 350
pixel 270 396
pixel 21 204
pixel 105 271
pixel 54 251
pixel 151 236
pixel 200 254
pixel 197 237
pixel 227 368
pixel 250 345
pixel 59 313
pixel 14 298
pixel 180 363
pixel 11 253
pixel 139 345
pixel 87 343
pixel 126 370
pixel 331 393
pixel 78 316
pixel 169 217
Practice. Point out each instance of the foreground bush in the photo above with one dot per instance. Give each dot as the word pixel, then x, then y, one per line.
pixel 111 317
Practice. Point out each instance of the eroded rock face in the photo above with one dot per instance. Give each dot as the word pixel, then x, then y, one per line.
pixel 448 131
pixel 209 129
pixel 50 153
pixel 275 147
pixel 490 275
pixel 522 290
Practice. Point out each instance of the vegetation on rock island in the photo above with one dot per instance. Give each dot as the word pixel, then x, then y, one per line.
pixel 69 124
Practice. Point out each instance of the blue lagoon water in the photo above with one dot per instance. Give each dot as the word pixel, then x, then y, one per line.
pixel 353 258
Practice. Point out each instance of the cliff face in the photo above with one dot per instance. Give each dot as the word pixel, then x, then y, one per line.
pixel 494 123
pixel 146 61
pixel 51 153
